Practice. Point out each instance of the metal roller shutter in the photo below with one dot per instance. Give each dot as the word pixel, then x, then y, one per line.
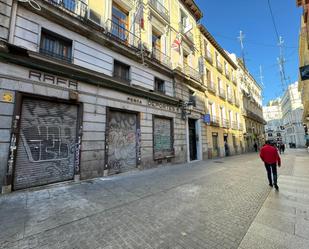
pixel 47 142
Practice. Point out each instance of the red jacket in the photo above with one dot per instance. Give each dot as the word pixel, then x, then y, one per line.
pixel 269 154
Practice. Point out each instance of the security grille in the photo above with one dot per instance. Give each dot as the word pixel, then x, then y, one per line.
pixel 47 143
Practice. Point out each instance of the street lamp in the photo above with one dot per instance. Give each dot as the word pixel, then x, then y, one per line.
pixel 186 109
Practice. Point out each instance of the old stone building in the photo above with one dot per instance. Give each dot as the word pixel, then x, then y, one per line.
pixel 88 88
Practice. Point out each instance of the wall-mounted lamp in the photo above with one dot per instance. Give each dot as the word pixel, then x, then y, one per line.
pixel 186 109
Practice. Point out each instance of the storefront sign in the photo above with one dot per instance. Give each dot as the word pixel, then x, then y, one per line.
pixel 163 106
pixel 134 100
pixel 52 79
pixel 206 118
pixel 7 97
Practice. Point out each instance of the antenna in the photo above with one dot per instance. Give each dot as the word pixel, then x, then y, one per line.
pixel 281 61
pixel 241 38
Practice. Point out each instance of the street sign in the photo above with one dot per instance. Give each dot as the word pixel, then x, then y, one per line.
pixel 206 118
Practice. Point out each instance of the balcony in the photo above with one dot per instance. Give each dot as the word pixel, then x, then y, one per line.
pixel 214 121
pixel 160 9
pixel 240 127
pixel 192 73
pixel 225 123
pixel 75 7
pixel 208 56
pixel 227 74
pixel 222 93
pixel 234 125
pixel 230 99
pixel 161 57
pixel 219 66
pixel 234 80
pixel 188 34
pixel 122 35
pixel 211 87
pixel 236 102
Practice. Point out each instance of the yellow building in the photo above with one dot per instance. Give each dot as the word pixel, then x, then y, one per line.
pixel 303 85
pixel 224 134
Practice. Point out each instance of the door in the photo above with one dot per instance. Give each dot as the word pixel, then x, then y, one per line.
pixel 122 142
pixel 46 144
pixel 192 139
pixel 215 146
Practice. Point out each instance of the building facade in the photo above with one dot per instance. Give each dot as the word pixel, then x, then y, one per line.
pixel 292 113
pixel 273 116
pixel 94 88
pixel 224 131
pixel 303 52
pixel 251 107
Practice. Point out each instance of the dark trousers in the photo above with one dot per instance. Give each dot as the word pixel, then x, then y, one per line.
pixel 271 168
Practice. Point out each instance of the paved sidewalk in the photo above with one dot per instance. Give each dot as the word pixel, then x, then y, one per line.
pixel 191 206
pixel 283 221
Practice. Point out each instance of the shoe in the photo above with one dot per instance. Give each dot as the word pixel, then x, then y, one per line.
pixel 276 187
pixel 270 184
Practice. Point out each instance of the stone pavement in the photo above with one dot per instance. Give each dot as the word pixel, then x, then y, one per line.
pixel 207 204
pixel 283 221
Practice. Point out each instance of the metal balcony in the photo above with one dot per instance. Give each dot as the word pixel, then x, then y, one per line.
pixel 222 93
pixel 188 34
pixel 211 87
pixel 240 127
pixel 214 120
pixel 192 73
pixel 122 35
pixel 76 7
pixel 234 80
pixel 230 99
pixel 237 103
pixel 234 125
pixel 225 123
pixel 227 74
pixel 159 8
pixel 208 56
pixel 219 66
pixel 161 57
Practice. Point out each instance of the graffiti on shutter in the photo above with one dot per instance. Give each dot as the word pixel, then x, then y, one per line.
pixel 47 143
pixel 163 140
pixel 122 142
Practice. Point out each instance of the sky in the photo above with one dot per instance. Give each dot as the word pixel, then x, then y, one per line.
pixel 224 19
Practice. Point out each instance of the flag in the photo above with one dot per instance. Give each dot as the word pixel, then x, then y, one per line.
pixel 139 17
pixel 177 42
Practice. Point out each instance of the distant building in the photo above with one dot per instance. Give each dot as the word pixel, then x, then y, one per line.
pixel 292 112
pixel 273 116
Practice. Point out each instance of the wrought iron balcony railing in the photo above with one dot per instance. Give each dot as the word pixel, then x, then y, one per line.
pixel 188 33
pixel 214 120
pixel 156 5
pixel 161 57
pixel 240 127
pixel 211 87
pixel 230 99
pixel 208 56
pixel 192 73
pixel 67 58
pixel 225 123
pixel 227 74
pixel 76 7
pixel 222 93
pixel 234 125
pixel 219 66
pixel 122 35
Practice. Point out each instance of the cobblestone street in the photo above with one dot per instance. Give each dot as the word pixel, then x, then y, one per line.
pixel 209 204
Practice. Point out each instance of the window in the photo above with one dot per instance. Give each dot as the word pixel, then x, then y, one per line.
pixel 156 41
pixel 55 46
pixel 121 71
pixel 163 137
pixel 183 20
pixel 159 85
pixel 119 23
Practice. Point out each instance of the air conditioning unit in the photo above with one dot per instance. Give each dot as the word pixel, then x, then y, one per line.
pixel 94 17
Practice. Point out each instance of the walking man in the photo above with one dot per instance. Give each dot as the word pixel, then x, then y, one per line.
pixel 270 157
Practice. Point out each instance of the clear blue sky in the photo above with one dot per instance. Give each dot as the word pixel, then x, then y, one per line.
pixel 224 19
